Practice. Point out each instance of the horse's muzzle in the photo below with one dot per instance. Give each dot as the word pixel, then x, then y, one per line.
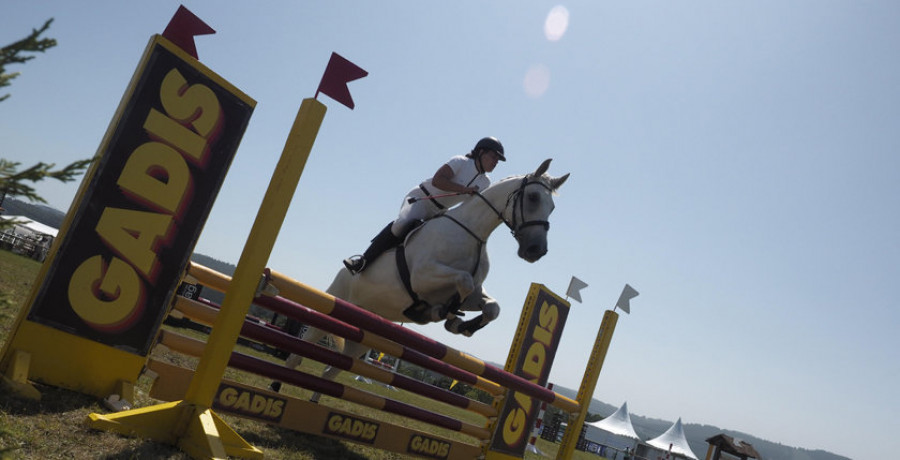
pixel 532 252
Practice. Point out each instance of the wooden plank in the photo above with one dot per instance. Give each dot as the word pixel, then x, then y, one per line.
pixel 307 417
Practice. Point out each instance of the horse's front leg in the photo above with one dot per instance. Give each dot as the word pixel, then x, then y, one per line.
pixel 489 308
pixel 437 277
pixel 440 288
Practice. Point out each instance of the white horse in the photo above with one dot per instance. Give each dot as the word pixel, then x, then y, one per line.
pixel 447 261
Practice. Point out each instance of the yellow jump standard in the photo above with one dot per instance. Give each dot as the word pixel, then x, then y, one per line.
pixel 191 424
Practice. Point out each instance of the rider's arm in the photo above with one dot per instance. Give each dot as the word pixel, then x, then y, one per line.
pixel 443 179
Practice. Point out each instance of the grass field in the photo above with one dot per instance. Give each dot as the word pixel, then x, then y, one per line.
pixel 54 428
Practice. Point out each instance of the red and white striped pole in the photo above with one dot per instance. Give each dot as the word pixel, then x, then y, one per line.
pixel 537 426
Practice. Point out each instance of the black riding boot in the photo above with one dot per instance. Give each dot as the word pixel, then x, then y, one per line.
pixel 382 242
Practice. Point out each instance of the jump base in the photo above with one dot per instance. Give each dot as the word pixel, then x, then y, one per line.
pixel 307 417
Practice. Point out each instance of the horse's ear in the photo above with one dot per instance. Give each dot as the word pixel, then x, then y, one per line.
pixel 556 182
pixel 542 168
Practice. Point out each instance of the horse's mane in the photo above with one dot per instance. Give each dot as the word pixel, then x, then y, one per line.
pixel 509 178
pixel 544 178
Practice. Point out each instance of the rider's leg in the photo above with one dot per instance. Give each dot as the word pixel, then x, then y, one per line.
pixel 382 242
pixel 393 234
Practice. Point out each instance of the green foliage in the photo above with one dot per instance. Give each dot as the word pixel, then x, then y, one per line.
pixel 13 181
pixel 15 53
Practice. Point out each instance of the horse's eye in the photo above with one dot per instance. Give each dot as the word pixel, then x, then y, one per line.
pixel 534 197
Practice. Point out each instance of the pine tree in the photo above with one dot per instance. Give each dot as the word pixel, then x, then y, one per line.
pixel 12 181
pixel 15 53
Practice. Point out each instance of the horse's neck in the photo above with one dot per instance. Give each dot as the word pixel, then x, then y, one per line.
pixel 478 216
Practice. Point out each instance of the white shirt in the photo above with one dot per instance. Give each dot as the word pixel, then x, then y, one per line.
pixel 465 173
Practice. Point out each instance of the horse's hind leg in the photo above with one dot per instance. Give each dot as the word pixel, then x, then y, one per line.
pixel 351 349
pixel 309 334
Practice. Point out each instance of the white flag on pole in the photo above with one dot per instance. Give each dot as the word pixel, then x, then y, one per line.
pixel 575 287
pixel 627 294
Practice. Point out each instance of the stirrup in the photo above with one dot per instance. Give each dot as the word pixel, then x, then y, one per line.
pixel 355 264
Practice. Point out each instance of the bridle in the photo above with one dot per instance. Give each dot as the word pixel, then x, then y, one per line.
pixel 518 211
pixel 518 207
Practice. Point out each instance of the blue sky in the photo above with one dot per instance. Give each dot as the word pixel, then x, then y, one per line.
pixel 735 162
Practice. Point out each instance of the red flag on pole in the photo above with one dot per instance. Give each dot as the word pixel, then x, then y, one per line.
pixel 182 29
pixel 338 73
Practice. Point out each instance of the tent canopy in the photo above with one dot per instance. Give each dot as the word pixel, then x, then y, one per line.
pixel 674 437
pixel 31 225
pixel 618 423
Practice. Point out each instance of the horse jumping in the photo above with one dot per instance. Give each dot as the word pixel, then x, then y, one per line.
pixel 447 261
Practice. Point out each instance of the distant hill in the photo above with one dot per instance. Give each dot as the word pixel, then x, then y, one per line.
pixel 215 264
pixel 646 428
pixel 36 212
pixel 696 435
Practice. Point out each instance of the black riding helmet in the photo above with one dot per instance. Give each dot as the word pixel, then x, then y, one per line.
pixel 489 143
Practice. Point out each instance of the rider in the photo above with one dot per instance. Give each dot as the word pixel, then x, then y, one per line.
pixel 461 175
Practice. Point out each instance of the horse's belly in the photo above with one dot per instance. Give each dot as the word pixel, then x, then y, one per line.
pixel 378 290
pixel 383 299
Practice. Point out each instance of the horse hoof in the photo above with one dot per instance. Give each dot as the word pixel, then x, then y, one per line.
pixel 452 325
pixel 470 327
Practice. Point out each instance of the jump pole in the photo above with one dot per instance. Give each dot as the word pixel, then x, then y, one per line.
pixel 347 312
pixel 198 431
pixel 194 347
pixel 314 318
pixel 586 391
pixel 592 372
pixel 204 313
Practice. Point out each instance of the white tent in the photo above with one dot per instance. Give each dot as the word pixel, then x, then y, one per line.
pixel 618 423
pixel 614 432
pixel 32 226
pixel 27 237
pixel 673 437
